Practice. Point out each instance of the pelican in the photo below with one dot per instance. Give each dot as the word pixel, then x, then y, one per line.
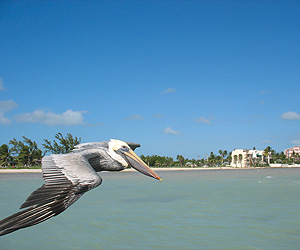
pixel 68 176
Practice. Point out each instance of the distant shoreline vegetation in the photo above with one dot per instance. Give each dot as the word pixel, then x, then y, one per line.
pixel 20 167
pixel 26 154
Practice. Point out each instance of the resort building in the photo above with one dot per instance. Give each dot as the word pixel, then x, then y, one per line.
pixel 290 151
pixel 242 158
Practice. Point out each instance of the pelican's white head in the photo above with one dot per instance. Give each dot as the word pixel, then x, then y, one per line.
pixel 113 147
pixel 121 152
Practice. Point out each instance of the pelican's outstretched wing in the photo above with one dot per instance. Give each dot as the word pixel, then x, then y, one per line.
pixel 67 178
pixel 90 145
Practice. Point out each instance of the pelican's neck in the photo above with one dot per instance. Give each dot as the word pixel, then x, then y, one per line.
pixel 101 160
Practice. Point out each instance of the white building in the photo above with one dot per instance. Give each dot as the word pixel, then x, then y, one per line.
pixel 242 158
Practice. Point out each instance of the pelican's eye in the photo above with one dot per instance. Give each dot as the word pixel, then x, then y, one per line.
pixel 125 148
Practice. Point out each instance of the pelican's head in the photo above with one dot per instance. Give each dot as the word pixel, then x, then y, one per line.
pixel 123 153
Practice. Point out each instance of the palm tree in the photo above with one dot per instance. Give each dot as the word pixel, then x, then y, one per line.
pixel 5 155
pixel 235 159
pixel 297 158
pixel 282 157
pixel 240 159
pixel 229 157
pixel 180 159
pixel 212 158
pixel 28 154
pixel 33 152
pixel 267 153
pixel 223 154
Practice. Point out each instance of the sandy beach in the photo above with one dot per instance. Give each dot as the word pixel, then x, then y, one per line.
pixel 6 171
pixel 19 171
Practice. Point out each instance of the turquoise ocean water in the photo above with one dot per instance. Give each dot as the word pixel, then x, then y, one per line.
pixel 207 209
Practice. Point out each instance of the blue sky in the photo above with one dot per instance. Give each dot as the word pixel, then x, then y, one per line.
pixel 179 77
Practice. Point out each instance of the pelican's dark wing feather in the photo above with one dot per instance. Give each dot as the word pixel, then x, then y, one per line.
pixel 67 178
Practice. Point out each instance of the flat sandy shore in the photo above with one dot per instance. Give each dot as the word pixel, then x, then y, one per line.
pixel 6 171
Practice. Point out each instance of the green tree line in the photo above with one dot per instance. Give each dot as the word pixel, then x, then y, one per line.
pixel 212 160
pixel 222 158
pixel 25 153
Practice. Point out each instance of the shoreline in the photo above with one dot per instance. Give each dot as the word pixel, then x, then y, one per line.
pixel 20 171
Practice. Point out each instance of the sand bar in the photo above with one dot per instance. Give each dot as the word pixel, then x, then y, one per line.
pixel 8 171
pixel 19 171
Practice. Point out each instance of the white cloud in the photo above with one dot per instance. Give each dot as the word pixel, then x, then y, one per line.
pixel 98 124
pixel 4 120
pixel 6 106
pixel 267 141
pixel 170 131
pixel 290 116
pixel 158 116
pixel 134 117
pixel 68 118
pixel 264 92
pixel 295 142
pixel 202 119
pixel 169 91
pixel 1 84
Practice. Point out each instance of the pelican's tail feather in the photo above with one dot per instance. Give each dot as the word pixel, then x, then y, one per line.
pixel 44 203
pixel 31 216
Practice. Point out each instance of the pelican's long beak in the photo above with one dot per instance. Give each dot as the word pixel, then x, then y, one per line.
pixel 139 165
